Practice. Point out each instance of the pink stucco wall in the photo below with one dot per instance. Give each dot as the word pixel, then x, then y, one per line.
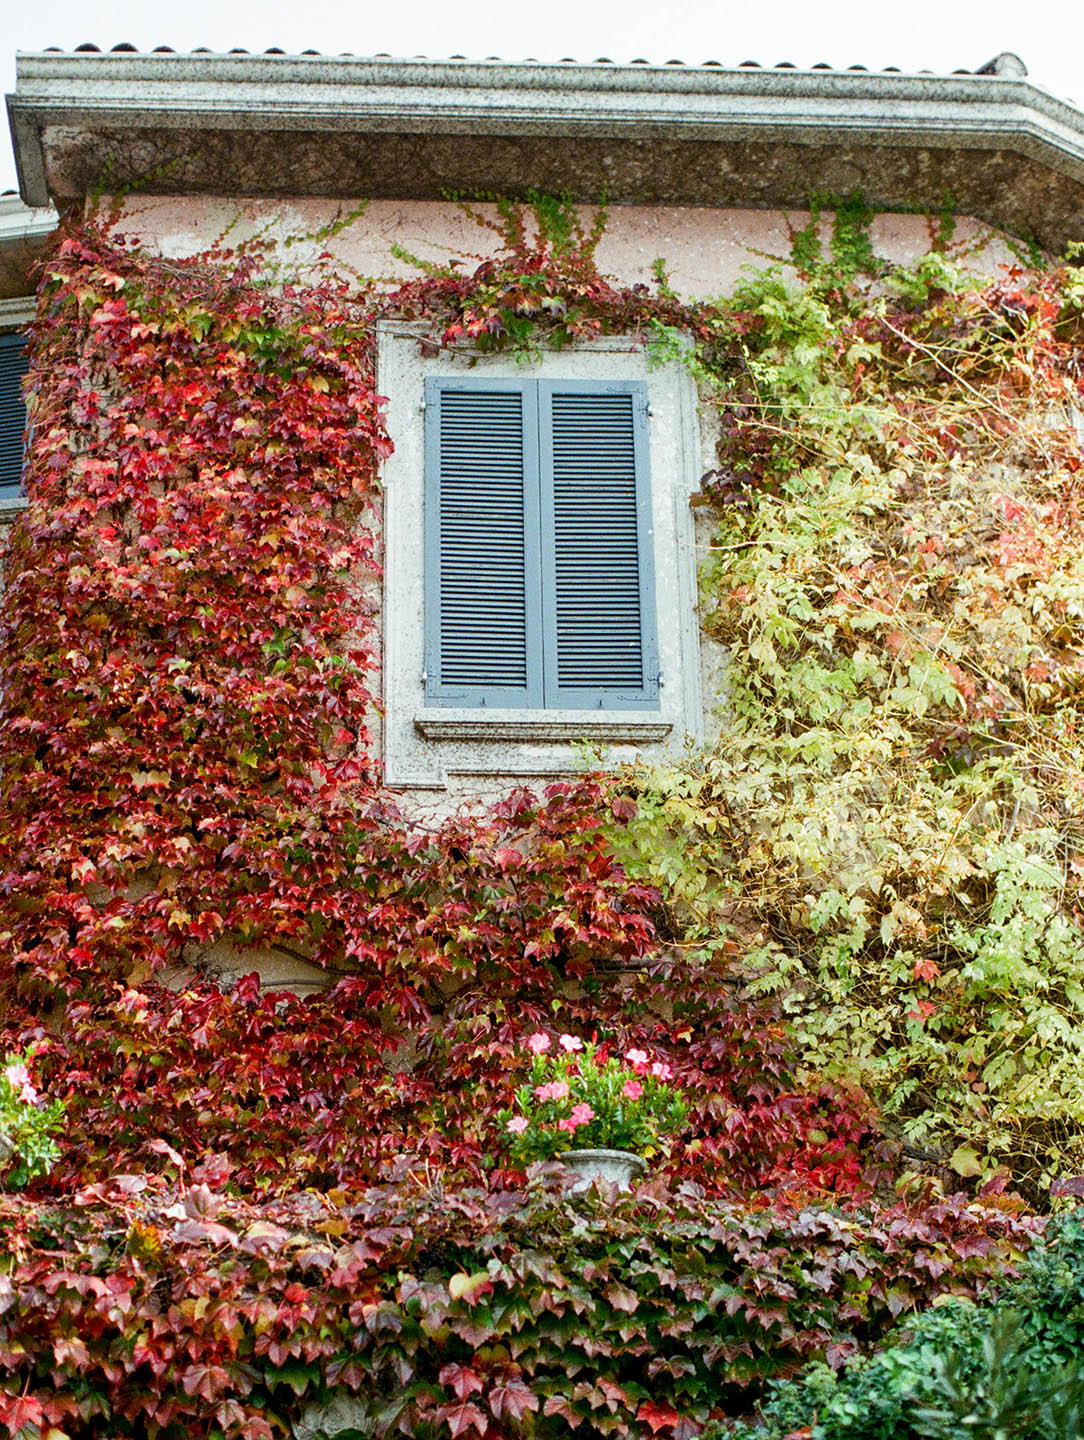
pixel 704 249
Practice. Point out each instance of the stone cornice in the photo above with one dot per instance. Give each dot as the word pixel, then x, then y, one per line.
pixel 282 125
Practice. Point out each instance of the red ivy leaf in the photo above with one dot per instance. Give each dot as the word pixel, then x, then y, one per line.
pixel 193 1231
pixel 19 1410
pixel 511 1399
pixel 463 1380
pixel 161 1148
pixel 658 1417
pixel 210 1381
pixel 463 1417
pixel 836 1352
pixel 622 1298
pixel 556 1406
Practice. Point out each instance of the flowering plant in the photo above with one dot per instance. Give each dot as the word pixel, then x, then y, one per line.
pixel 581 1096
pixel 27 1125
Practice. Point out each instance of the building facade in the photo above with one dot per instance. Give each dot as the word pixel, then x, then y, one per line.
pixel 539 548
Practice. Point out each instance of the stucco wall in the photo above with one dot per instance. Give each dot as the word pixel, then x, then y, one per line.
pixel 704 249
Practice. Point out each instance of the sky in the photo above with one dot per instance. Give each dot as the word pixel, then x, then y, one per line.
pixel 939 35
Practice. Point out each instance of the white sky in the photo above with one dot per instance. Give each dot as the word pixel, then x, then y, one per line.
pixel 939 35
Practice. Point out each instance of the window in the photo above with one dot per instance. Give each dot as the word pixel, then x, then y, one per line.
pixel 539 587
pixel 539 572
pixel 13 366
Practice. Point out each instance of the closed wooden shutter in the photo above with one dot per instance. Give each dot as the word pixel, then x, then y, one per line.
pixel 539 580
pixel 13 366
pixel 483 609
pixel 597 562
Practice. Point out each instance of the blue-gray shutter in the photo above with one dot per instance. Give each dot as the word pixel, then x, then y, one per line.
pixel 13 366
pixel 600 636
pixel 482 602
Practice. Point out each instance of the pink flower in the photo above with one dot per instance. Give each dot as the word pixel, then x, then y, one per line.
pixel 566 1124
pixel 18 1077
pixel 517 1125
pixel 637 1059
pixel 538 1043
pixel 555 1090
pixel 580 1115
pixel 571 1042
pixel 661 1070
pixel 633 1090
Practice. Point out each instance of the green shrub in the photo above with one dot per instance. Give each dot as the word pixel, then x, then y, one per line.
pixel 1008 1370
pixel 1049 1293
pixel 27 1125
pixel 1001 1390
pixel 869 1399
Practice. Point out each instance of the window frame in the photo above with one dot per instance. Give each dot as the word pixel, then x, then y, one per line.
pixel 428 746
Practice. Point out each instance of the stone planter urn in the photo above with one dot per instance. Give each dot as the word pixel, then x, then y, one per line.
pixel 617 1167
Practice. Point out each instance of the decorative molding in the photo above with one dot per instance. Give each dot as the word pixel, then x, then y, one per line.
pixel 17 311
pixel 11 507
pixel 25 236
pixel 21 224
pixel 546 725
pixel 348 93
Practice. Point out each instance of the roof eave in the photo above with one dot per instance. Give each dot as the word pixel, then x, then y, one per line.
pixel 99 99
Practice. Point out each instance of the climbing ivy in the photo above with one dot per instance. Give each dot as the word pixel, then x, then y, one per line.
pixel 850 927
pixel 188 763
pixel 887 834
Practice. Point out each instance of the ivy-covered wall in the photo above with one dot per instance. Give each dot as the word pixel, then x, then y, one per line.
pixel 851 926
pixel 189 681
pixel 380 245
pixel 888 564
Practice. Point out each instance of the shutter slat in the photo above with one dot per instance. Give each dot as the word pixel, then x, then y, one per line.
pixel 13 366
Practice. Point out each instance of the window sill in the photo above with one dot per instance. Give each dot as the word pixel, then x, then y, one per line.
pixel 11 507
pixel 543 726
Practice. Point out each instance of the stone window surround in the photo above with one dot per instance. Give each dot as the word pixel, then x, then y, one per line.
pixel 423 746
pixel 14 314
